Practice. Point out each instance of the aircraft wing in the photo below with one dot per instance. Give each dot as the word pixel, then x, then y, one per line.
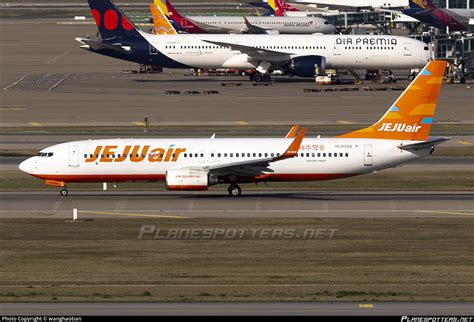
pixel 254 167
pixel 422 145
pixel 398 16
pixel 257 166
pixel 253 52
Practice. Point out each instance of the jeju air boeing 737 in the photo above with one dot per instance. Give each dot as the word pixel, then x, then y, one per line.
pixel 400 136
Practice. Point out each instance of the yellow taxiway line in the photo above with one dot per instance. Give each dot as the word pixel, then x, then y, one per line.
pixel 130 215
pixel 444 212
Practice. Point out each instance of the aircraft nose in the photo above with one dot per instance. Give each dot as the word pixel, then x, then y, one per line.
pixel 27 166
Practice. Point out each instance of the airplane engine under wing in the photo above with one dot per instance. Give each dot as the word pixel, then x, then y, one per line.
pixel 189 180
pixel 306 66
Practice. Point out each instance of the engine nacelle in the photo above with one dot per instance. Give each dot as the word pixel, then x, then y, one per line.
pixel 189 180
pixel 307 66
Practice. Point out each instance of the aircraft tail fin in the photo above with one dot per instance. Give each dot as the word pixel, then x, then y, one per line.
pixel 183 23
pixel 411 116
pixel 161 24
pixel 111 21
pixel 280 7
pixel 423 4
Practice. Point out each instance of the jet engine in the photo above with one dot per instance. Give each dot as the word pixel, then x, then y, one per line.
pixel 189 180
pixel 307 66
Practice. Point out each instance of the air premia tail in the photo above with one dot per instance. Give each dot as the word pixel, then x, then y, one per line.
pixel 111 21
pixel 410 117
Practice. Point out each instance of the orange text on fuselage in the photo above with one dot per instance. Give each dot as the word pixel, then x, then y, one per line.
pixel 134 153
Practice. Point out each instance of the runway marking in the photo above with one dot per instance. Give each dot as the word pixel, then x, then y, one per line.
pixel 12 109
pixel 257 205
pixel 366 306
pixel 344 122
pixel 138 123
pixel 191 204
pixel 14 83
pixel 58 56
pixel 464 142
pixel 130 215
pixel 36 124
pixel 58 83
pixel 241 123
pixel 57 204
pixel 444 212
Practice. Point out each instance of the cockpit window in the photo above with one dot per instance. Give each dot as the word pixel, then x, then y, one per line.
pixel 45 154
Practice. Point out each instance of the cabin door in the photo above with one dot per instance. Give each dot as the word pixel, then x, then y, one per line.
pixel 74 156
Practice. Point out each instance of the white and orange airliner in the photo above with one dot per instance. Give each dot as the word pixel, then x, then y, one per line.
pixel 400 136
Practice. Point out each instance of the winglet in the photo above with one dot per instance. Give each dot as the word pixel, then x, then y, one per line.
pixel 292 133
pixel 292 150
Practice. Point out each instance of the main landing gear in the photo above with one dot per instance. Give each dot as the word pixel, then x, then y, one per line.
pixel 234 190
pixel 63 192
pixel 260 78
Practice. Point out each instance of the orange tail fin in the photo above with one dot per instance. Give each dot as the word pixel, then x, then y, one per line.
pixel 410 117
pixel 160 22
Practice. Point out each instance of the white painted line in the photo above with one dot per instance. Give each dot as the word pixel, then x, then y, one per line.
pixel 14 83
pixel 58 56
pixel 58 83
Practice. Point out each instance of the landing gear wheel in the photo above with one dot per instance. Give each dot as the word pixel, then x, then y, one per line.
pixel 63 192
pixel 258 78
pixel 267 78
pixel 234 190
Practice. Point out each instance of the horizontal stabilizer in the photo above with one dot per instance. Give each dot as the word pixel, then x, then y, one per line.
pixel 97 45
pixel 422 145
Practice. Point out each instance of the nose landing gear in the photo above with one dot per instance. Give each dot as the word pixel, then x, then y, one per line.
pixel 63 192
pixel 234 190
